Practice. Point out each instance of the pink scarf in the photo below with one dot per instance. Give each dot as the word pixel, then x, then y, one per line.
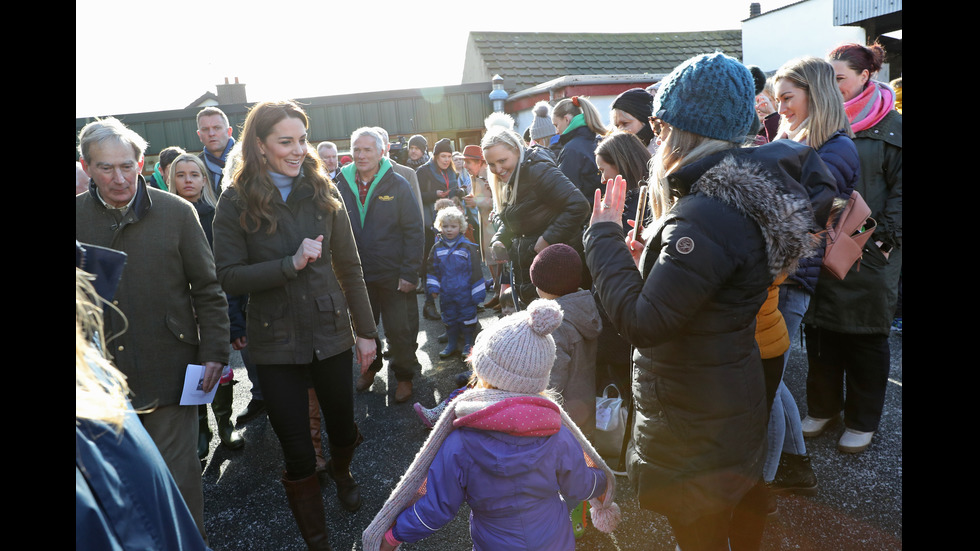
pixel 499 410
pixel 520 416
pixel 870 106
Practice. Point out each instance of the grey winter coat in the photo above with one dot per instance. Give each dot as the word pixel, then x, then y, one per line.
pixel 576 341
pixel 699 436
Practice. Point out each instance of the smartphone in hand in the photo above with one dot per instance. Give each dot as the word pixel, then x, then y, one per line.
pixel 641 209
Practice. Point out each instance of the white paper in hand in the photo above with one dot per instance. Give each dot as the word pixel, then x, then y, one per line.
pixel 193 394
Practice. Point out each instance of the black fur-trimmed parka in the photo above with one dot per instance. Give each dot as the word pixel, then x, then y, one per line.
pixel 743 217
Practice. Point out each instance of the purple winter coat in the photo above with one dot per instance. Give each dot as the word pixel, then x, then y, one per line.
pixel 512 486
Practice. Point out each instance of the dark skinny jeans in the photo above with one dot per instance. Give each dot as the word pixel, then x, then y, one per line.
pixel 286 392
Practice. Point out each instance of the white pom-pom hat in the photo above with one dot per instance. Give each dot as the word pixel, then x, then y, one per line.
pixel 517 352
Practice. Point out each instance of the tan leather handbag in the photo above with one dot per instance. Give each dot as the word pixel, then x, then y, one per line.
pixel 846 238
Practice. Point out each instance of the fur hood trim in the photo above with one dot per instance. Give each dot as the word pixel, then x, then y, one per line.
pixel 783 218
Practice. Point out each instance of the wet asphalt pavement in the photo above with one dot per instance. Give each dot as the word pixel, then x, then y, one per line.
pixel 858 506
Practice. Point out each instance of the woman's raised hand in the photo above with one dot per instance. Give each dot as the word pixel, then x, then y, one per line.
pixel 763 106
pixel 309 250
pixel 610 207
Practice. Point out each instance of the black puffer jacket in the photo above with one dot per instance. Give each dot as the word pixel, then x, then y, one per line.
pixel 547 205
pixel 699 439
pixel 576 159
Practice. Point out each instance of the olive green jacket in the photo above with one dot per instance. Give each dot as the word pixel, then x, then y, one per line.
pixel 864 302
pixel 174 307
pixel 294 317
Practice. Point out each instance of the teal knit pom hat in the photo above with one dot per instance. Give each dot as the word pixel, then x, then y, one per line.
pixel 712 95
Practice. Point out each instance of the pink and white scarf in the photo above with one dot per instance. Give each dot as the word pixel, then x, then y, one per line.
pixel 492 409
pixel 870 106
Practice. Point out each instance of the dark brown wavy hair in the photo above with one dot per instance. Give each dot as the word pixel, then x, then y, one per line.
pixel 627 153
pixel 252 181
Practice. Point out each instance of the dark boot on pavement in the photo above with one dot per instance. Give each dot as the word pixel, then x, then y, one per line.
pixel 203 432
pixel 230 438
pixel 795 474
pixel 429 310
pixel 307 505
pixel 254 408
pixel 463 379
pixel 339 470
pixel 469 331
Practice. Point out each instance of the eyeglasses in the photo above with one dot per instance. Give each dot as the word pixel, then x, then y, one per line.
pixel 659 127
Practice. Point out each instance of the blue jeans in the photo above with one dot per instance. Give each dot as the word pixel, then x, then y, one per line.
pixel 785 428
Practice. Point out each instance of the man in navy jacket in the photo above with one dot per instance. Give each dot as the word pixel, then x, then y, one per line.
pixel 388 230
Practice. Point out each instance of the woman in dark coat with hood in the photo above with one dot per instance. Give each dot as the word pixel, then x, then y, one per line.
pixel 580 130
pixel 727 222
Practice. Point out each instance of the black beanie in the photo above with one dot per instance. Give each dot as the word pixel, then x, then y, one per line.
pixel 443 146
pixel 637 102
pixel 418 141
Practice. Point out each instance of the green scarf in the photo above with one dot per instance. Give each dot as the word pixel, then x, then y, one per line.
pixel 350 174
pixel 157 178
pixel 577 121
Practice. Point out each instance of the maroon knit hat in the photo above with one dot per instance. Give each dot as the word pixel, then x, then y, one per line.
pixel 557 270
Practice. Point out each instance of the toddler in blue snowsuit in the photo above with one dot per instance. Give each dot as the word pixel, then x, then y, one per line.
pixel 455 274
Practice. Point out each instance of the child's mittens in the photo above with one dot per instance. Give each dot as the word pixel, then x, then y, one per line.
pixel 605 516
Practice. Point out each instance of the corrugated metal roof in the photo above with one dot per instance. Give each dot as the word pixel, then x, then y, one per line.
pixel 528 59
pixel 444 109
pixel 849 12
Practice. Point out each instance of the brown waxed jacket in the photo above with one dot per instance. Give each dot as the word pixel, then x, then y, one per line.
pixel 174 307
pixel 294 317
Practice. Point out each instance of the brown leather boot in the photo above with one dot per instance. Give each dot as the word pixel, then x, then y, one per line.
pixel 315 434
pixel 403 391
pixel 339 470
pixel 365 380
pixel 307 505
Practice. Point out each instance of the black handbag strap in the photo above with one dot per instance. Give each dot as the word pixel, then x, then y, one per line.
pixel 627 434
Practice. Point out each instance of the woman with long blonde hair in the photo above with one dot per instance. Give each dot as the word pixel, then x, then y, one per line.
pixel 727 221
pixel 811 113
pixel 536 204
pixel 189 178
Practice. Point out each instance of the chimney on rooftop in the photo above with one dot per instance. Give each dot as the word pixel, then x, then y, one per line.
pixel 231 93
pixel 755 9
